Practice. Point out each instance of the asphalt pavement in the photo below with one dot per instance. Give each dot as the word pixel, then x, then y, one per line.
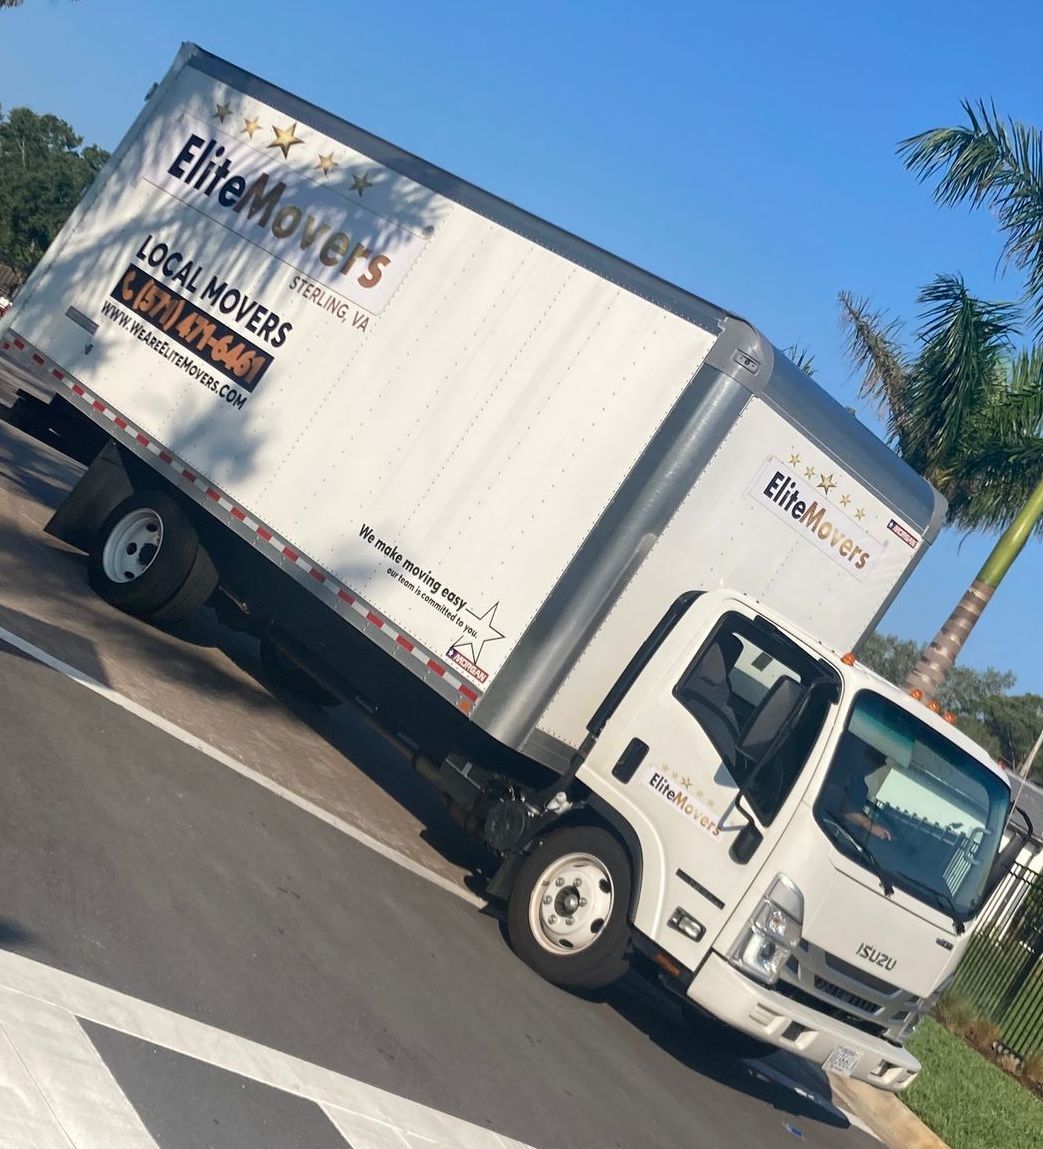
pixel 145 867
pixel 192 959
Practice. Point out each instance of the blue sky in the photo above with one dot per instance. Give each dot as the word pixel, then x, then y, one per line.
pixel 745 151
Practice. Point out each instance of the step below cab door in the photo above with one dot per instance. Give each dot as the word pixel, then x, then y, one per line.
pixel 667 759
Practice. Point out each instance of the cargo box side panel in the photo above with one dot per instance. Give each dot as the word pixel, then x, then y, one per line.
pixel 773 515
pixel 429 406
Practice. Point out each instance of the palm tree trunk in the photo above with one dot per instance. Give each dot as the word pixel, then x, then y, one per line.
pixel 937 659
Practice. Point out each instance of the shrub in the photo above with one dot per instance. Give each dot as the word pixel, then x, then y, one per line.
pixel 982 1034
pixel 955 1012
pixel 1034 1068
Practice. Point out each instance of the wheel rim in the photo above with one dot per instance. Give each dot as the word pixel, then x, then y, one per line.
pixel 132 545
pixel 571 904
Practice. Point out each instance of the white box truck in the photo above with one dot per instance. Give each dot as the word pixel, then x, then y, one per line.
pixel 588 544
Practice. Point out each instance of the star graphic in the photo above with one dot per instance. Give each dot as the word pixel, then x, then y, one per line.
pixel 686 782
pixel 826 483
pixel 222 112
pixel 487 632
pixel 251 126
pixel 860 514
pixel 326 164
pixel 285 138
pixel 844 500
pixel 360 183
pixel 809 473
pixel 794 460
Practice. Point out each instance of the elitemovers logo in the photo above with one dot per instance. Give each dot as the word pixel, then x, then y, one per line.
pixel 360 254
pixel 674 790
pixel 807 509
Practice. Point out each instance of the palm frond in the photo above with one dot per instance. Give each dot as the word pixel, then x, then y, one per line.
pixel 966 345
pixel 802 358
pixel 874 348
pixel 996 164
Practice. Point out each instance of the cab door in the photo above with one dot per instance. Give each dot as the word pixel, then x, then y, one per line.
pixel 667 760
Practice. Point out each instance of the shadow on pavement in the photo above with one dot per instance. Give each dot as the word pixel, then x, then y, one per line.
pixel 36 468
pixel 78 651
pixel 349 733
pixel 12 935
pixel 789 1084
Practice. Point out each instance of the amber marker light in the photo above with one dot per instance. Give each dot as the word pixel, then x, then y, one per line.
pixel 665 963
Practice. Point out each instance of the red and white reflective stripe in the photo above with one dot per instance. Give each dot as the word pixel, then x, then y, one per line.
pixel 320 581
pixel 16 343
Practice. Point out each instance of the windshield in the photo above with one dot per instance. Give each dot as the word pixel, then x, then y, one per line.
pixel 908 804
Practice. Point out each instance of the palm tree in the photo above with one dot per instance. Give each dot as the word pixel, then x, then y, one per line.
pixel 988 456
pixel 967 413
pixel 997 165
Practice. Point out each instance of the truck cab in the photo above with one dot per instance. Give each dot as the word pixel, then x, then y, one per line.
pixel 807 844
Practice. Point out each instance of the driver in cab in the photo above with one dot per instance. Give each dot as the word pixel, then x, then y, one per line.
pixel 846 792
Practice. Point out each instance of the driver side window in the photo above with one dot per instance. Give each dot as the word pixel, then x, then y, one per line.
pixel 724 684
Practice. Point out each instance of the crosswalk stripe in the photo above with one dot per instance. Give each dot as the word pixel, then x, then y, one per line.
pixel 369 1117
pixel 56 1089
pixel 28 1121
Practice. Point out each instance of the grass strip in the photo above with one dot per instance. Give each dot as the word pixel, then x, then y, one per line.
pixel 968 1101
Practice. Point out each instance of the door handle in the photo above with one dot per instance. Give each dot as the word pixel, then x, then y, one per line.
pixel 630 759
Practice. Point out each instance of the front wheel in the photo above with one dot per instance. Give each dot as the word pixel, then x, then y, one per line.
pixel 567 914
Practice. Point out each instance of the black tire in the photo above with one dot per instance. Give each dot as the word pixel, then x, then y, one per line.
pixel 195 590
pixel 284 673
pixel 169 570
pixel 598 962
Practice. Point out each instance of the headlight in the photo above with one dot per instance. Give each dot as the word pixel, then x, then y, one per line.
pixel 775 923
pixel 762 957
pixel 773 933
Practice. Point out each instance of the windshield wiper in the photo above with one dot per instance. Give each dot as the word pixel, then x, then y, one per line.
pixel 864 852
pixel 941 898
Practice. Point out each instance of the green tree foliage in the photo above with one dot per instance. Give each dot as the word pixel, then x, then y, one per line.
pixel 966 411
pixel 1005 724
pixel 44 169
pixel 965 691
pixel 994 163
pixel 803 358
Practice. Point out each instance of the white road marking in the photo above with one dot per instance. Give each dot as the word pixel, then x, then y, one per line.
pixel 376 1118
pixel 74 1099
pixel 231 763
pixel 28 1122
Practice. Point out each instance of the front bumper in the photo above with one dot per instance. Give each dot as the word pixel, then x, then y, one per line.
pixel 722 991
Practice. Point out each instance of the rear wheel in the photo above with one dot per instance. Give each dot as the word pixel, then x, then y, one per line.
pixel 147 560
pixel 567 914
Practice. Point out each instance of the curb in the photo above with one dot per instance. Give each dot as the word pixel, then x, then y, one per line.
pixel 891 1121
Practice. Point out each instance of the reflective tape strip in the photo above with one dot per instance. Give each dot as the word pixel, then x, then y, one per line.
pixel 337 596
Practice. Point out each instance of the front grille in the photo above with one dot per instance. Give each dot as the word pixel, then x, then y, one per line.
pixel 876 984
pixel 851 999
pixel 795 993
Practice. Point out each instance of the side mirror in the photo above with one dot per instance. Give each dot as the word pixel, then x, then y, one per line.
pixel 1006 858
pixel 763 734
pixel 771 721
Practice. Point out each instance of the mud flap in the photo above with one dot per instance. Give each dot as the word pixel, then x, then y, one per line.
pixel 86 506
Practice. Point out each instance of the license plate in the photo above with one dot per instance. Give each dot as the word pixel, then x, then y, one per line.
pixel 841 1061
